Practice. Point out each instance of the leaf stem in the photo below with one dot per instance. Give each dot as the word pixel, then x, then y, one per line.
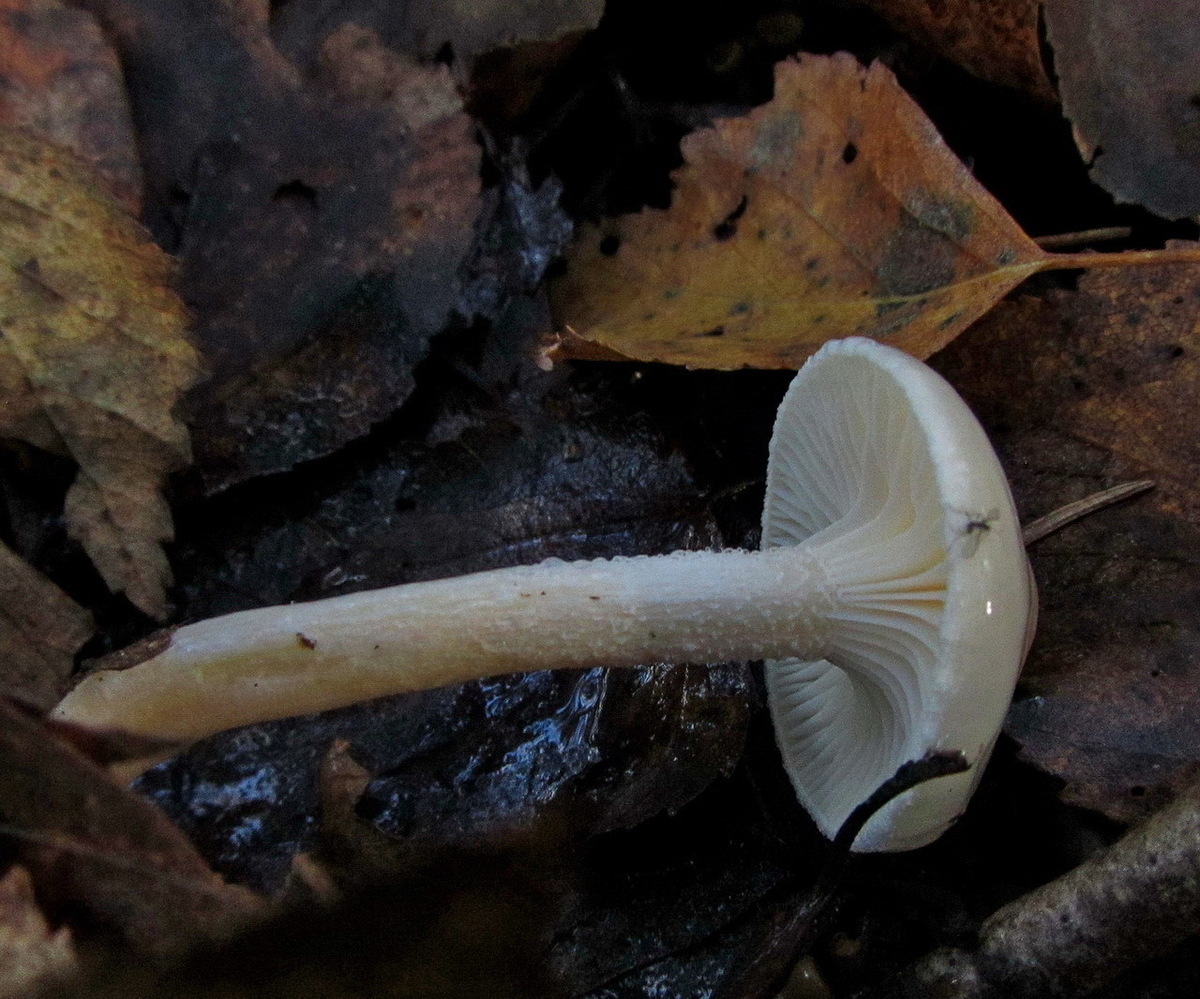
pixel 1090 260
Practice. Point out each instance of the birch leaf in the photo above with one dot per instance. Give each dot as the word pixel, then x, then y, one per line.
pixel 93 358
pixel 835 209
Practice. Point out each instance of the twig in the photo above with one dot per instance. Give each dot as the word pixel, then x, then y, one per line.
pixel 1062 239
pixel 807 920
pixel 1038 529
pixel 1131 902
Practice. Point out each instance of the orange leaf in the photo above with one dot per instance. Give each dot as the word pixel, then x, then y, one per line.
pixel 835 209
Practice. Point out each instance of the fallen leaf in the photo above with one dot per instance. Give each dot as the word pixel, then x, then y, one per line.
pixel 1081 389
pixel 835 209
pixel 92 845
pixel 1126 72
pixel 320 220
pixel 32 955
pixel 427 30
pixel 582 474
pixel 93 358
pixel 60 80
pixel 41 629
pixel 996 40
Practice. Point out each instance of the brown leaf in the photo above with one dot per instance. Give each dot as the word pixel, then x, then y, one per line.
pixel 32 956
pixel 1080 390
pixel 95 846
pixel 834 209
pixel 424 30
pixel 996 40
pixel 1127 76
pixel 41 629
pixel 93 358
pixel 60 80
pixel 328 217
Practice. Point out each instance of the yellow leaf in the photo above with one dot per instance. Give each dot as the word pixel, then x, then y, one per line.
pixel 93 358
pixel 835 209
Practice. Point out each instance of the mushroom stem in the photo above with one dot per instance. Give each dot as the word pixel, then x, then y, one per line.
pixel 892 604
pixel 300 658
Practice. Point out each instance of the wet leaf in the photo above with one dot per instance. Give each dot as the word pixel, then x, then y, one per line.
pixel 41 629
pixel 93 846
pixel 996 40
pixel 60 80
pixel 619 766
pixel 579 474
pixel 93 358
pixel 1082 389
pixel 1129 88
pixel 32 955
pixel 835 209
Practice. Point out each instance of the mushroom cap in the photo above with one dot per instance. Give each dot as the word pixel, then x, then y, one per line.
pixel 878 466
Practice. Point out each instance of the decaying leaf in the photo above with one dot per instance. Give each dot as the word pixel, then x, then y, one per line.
pixel 327 217
pixel 93 358
pixel 41 629
pixel 996 40
pixel 32 955
pixel 835 209
pixel 1081 389
pixel 424 30
pixel 60 80
pixel 94 846
pixel 1127 74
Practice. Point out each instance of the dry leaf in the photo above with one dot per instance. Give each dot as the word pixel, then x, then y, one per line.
pixel 94 846
pixel 1127 73
pixel 1081 389
pixel 60 80
pixel 32 956
pixel 996 40
pixel 41 629
pixel 834 209
pixel 93 358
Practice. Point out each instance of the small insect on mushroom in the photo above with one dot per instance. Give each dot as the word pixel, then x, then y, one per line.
pixel 884 636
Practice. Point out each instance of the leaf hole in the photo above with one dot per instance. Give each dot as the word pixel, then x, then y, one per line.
pixel 1137 791
pixel 727 227
pixel 849 153
pixel 609 245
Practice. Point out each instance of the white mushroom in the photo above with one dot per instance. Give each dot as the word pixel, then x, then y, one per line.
pixel 892 601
